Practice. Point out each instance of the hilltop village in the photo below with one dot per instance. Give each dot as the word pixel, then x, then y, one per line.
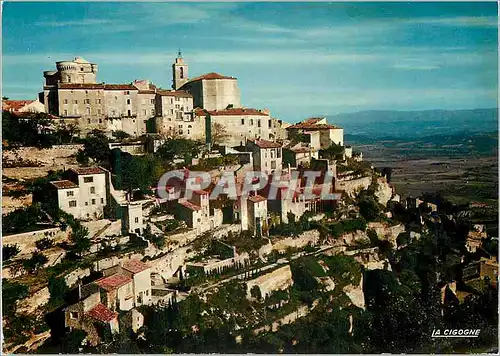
pixel 101 255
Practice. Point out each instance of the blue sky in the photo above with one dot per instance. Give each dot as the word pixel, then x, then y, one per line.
pixel 296 59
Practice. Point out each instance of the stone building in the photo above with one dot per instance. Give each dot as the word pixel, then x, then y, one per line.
pixel 197 213
pixel 83 194
pixel 213 91
pixel 22 106
pixel 126 286
pixel 321 134
pixel 257 215
pixel 73 93
pixel 123 288
pixel 91 315
pixel 175 115
pixel 267 155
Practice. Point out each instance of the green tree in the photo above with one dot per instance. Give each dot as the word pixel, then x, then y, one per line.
pixel 255 293
pixel 96 146
pixel 9 251
pixel 333 152
pixel 36 261
pixel 11 293
pixel 58 290
pixel 44 243
pixel 80 239
pixel 219 134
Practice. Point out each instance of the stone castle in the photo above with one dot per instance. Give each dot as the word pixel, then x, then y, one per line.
pixel 190 109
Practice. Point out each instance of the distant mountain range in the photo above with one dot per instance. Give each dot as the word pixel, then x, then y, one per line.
pixel 405 125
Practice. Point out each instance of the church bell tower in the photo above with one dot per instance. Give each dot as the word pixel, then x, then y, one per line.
pixel 179 72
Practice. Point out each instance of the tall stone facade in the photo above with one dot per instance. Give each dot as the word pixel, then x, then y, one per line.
pixel 73 94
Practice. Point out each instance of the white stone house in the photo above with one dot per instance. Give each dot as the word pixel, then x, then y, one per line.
pixel 267 155
pixel 197 213
pixel 127 286
pixel 84 194
pixel 320 132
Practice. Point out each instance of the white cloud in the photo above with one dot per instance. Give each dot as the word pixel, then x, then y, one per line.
pixel 459 21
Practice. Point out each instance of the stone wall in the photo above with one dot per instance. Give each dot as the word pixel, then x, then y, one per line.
pixel 307 237
pixel 279 279
pixel 26 240
pixel 351 187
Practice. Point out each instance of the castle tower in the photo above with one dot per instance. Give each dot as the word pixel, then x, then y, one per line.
pixel 179 72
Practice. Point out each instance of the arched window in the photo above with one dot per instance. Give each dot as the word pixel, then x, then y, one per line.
pixel 182 72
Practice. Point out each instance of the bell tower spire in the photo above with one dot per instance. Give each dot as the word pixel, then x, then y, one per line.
pixel 179 71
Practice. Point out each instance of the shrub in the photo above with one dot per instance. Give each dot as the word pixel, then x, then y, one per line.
pixel 57 289
pixel 36 261
pixel 9 251
pixel 44 244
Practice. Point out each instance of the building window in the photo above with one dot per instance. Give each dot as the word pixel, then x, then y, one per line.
pixel 87 110
pixel 127 93
pixel 65 101
pixel 270 124
pixel 152 101
pixel 98 101
pixel 86 101
pixel 70 193
pixel 251 122
pixel 92 190
pixel 65 112
pixel 93 201
pixel 81 69
pixel 177 106
pixel 75 101
pixel 258 123
pixel 182 73
pixel 171 111
pixel 88 121
pixel 136 220
pixel 99 111
pixel 144 112
pixel 86 203
pixel 73 315
pixel 278 152
pixel 128 112
pixel 102 200
pixel 88 179
pixel 128 101
pixel 273 164
pixel 72 203
pixel 152 111
pixel 177 98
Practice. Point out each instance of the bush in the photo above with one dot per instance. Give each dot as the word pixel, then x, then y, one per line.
pixel 36 261
pixel 9 251
pixel 11 293
pixel 57 289
pixel 44 244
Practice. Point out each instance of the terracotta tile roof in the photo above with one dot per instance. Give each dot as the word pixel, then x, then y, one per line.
pixel 209 76
pixel 113 282
pixel 176 93
pixel 87 170
pixel 64 184
pixel 266 144
pixel 119 87
pixel 234 112
pixel 190 205
pixel 80 86
pixel 15 105
pixel 102 313
pixel 134 266
pixel 256 198
pixel 312 124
